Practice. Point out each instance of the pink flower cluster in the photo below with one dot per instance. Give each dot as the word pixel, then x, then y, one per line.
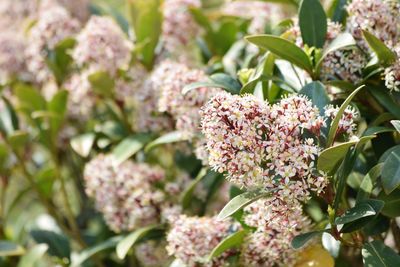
pixel 392 73
pixel 78 8
pixel 126 195
pixel 15 14
pixel 151 253
pixel 12 58
pixel 347 124
pixel 53 26
pixel 191 240
pixel 379 17
pixel 112 49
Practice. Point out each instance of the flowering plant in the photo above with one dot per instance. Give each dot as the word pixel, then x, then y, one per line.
pixel 190 133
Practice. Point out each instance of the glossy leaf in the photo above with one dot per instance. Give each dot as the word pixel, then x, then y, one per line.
pixel 82 144
pixel 391 171
pixel 360 210
pixel 232 241
pixel 128 147
pixel 337 11
pixel 383 96
pixel 283 49
pixel 316 92
pixel 329 158
pixel 313 23
pixel 127 242
pixel 359 223
pixel 58 245
pixel 226 82
pixel 167 138
pixel 300 240
pixel 392 203
pixel 368 182
pixel 241 201
pixel 396 124
pixel 385 55
pixel 377 254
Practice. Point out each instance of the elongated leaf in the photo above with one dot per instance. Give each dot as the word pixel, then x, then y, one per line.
pixel 33 256
pixel 384 54
pixel 30 98
pixel 360 210
pixel 171 137
pixel 127 242
pixel 396 124
pixel 377 130
pixel 8 117
pixel 335 122
pixel 377 254
pixel 331 157
pixel 300 240
pixel 128 147
pixel 317 93
pixel 283 49
pixel 368 182
pixel 359 223
pixel 312 22
pixel 8 248
pixel 392 203
pixel 188 193
pixel 234 240
pixel 383 97
pixel 82 144
pixel 58 105
pixel 146 19
pixel 89 252
pixel 240 202
pixel 391 172
pixel 211 84
pixel 342 41
pixel 336 11
pixel 58 244
pixel 229 83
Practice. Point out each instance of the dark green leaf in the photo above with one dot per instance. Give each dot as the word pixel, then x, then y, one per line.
pixel 300 240
pixel 368 182
pixel 392 203
pixel 8 117
pixel 283 49
pixel 312 22
pixel 317 93
pixel 360 210
pixel 232 241
pixel 128 147
pixel 128 241
pixel 384 98
pixel 377 205
pixel 391 172
pixel 228 83
pixel 240 202
pixel 58 244
pixel 384 54
pixel 377 130
pixel 377 254
pixel 337 11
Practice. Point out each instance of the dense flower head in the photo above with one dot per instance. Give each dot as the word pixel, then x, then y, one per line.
pixel 12 58
pixel 179 28
pixel 260 13
pixel 191 240
pixel 379 17
pixel 53 26
pixel 15 13
pixel 275 227
pixel 125 194
pixel 347 123
pixel 259 145
pixel 392 73
pixel 343 64
pixel 112 49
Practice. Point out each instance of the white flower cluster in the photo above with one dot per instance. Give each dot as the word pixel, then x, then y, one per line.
pixel 347 124
pixel 379 17
pixel 392 73
pixel 102 46
pixel 126 195
pixel 12 58
pixel 260 13
pixel 179 28
pixel 270 244
pixel 78 8
pixel 191 240
pixel 54 25
pixel 15 14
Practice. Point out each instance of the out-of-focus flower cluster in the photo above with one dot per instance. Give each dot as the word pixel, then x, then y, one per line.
pixel 191 240
pixel 126 195
pixel 262 145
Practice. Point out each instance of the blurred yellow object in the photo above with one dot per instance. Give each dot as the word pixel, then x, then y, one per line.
pixel 315 256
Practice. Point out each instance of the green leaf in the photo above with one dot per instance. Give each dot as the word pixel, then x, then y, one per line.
pixel 337 11
pixel 391 171
pixel 82 144
pixel 331 157
pixel 146 19
pixel 396 124
pixel 368 182
pixel 377 130
pixel 59 60
pixel 300 240
pixel 312 22
pixel 377 254
pixel 342 41
pixel 171 137
pixel 58 105
pixel 89 252
pixel 231 241
pixel 382 95
pixel 8 248
pixel 58 245
pixel 18 139
pixel 33 256
pixel 335 122
pixel 102 83
pixel 392 203
pixel 317 93
pixel 384 54
pixel 8 117
pixel 241 201
pixel 128 241
pixel 29 98
pixel 128 147
pixel 226 82
pixel 188 193
pixel 283 49
pixel 360 210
